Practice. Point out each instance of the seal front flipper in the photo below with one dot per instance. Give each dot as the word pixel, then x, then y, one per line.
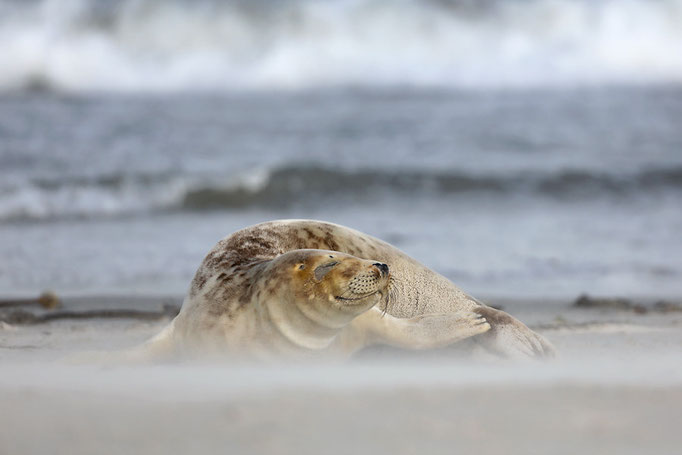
pixel 510 338
pixel 426 331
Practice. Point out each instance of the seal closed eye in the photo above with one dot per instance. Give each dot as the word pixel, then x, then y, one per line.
pixel 322 270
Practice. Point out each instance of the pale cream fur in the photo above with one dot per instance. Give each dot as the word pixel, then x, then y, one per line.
pixel 246 300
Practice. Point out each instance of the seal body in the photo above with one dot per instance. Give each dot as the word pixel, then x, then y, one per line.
pixel 297 287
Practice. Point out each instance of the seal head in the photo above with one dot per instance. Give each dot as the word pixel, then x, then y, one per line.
pixel 321 288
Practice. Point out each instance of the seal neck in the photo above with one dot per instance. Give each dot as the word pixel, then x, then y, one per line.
pixel 286 316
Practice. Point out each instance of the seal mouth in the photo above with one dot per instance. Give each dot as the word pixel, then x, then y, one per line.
pixel 350 299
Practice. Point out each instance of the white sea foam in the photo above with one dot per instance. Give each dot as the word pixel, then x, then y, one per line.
pixel 139 45
pixel 263 187
pixel 124 195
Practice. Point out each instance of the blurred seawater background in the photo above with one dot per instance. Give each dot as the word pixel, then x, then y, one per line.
pixel 524 149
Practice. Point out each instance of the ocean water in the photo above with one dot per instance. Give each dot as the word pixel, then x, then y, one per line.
pixel 523 149
pixel 165 45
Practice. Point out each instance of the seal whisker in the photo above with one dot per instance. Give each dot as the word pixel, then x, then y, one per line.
pixel 391 295
pixel 346 293
pixel 386 304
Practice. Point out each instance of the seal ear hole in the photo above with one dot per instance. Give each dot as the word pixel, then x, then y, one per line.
pixel 331 256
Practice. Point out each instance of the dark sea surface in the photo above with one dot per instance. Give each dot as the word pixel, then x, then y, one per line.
pixel 521 148
pixel 511 193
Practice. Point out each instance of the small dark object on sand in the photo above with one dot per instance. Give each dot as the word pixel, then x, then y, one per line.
pixel 47 300
pixel 585 301
pixel 662 306
pixel 667 307
pixel 26 317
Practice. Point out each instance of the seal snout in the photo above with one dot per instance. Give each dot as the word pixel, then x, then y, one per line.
pixel 383 268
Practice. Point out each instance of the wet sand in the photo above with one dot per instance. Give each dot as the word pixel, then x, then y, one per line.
pixel 616 388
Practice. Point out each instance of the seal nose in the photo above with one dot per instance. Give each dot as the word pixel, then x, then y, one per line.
pixel 382 267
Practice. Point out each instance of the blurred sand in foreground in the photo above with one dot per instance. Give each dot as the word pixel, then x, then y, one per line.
pixel 616 388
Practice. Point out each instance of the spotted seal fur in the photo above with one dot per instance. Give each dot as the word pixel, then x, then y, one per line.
pixel 276 289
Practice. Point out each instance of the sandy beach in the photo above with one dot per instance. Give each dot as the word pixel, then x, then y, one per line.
pixel 528 151
pixel 615 388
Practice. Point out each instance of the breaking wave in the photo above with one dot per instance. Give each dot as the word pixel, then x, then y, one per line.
pixel 143 45
pixel 309 187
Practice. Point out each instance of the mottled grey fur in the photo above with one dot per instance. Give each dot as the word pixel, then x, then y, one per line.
pixel 236 294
